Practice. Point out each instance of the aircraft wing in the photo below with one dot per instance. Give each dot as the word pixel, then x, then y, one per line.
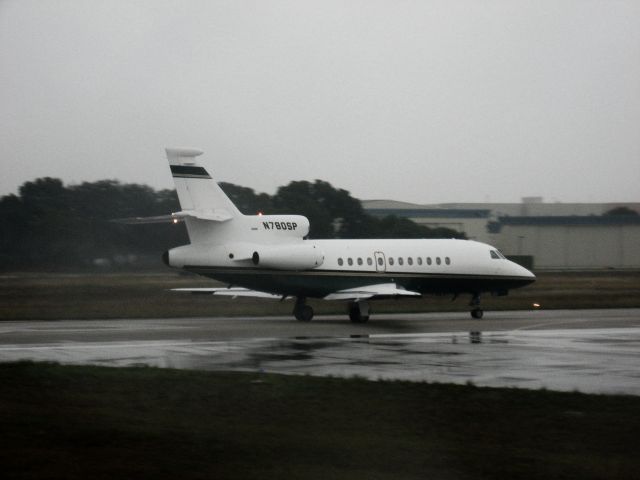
pixel 382 290
pixel 229 292
pixel 368 292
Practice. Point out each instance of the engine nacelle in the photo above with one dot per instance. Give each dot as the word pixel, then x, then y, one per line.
pixel 190 255
pixel 288 257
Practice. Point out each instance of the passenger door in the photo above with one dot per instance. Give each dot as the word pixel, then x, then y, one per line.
pixel 381 262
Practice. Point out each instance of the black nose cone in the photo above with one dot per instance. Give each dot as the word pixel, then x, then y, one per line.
pixel 165 258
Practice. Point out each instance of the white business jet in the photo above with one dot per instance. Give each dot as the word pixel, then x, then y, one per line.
pixel 269 256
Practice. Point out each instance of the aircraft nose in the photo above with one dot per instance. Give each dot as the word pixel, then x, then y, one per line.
pixel 165 258
pixel 520 271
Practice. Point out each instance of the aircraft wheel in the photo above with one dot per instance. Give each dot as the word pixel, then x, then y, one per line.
pixel 477 313
pixel 355 314
pixel 304 313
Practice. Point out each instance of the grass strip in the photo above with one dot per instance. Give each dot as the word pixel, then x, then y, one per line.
pixel 90 296
pixel 95 422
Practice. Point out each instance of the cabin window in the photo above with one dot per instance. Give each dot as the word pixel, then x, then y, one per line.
pixel 359 261
pixel 419 260
pixel 349 261
pixel 370 262
pixel 428 260
pixel 447 260
pixel 410 261
pixel 390 260
pixel 400 261
pixel 380 261
pixel 340 262
pixel 438 260
pixel 495 255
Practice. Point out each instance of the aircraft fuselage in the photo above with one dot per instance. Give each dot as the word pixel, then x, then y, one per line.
pixel 423 265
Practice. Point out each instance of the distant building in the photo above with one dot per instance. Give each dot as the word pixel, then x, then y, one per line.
pixel 556 235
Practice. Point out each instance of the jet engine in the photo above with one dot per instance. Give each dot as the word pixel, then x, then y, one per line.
pixel 288 257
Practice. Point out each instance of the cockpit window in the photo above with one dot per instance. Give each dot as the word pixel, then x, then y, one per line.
pixel 494 254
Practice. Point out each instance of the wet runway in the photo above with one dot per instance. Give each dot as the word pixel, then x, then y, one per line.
pixel 595 351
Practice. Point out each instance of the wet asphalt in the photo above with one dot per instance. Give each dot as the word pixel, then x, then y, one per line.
pixel 592 351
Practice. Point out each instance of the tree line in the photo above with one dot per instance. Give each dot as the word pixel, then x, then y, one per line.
pixel 55 226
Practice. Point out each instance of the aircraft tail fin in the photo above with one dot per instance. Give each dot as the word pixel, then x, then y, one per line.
pixel 197 191
pixel 201 198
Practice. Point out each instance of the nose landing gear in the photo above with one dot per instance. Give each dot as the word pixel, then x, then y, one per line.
pixel 476 311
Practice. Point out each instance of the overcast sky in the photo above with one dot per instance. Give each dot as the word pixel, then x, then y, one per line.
pixel 422 101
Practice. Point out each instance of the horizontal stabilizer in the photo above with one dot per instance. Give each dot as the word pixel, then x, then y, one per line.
pixel 147 220
pixel 219 215
pixel 382 290
pixel 229 292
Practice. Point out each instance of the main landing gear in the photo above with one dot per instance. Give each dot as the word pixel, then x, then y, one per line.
pixel 476 311
pixel 358 312
pixel 302 311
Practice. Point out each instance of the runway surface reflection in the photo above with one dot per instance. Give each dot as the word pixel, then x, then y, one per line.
pixel 604 359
